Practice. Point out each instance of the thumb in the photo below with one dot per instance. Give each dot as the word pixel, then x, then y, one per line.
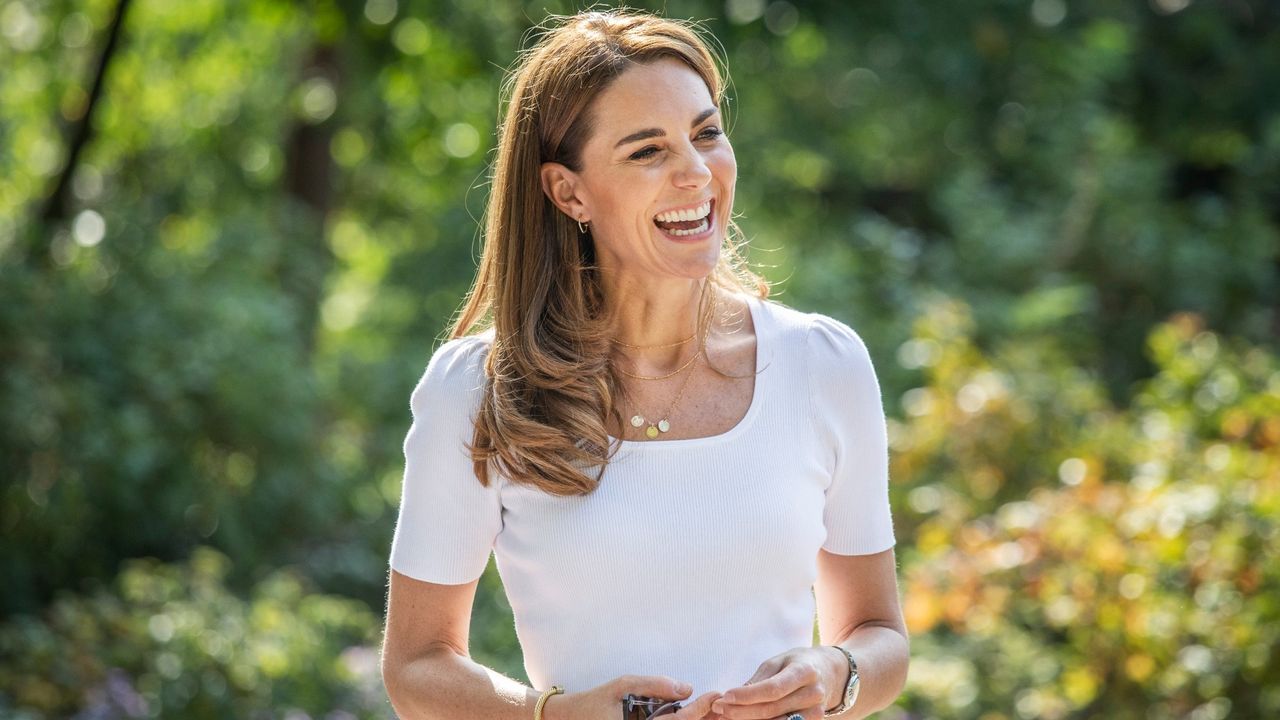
pixel 656 686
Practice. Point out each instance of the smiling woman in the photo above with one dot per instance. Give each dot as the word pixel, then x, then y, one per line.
pixel 649 196
pixel 744 442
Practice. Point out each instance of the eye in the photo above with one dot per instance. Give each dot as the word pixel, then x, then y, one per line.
pixel 710 133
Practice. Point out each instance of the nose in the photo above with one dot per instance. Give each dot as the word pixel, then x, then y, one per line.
pixel 693 171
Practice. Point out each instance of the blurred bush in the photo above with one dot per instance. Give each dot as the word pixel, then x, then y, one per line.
pixel 1074 559
pixel 150 418
pixel 170 641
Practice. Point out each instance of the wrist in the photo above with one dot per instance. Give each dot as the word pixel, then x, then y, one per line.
pixel 556 707
pixel 837 674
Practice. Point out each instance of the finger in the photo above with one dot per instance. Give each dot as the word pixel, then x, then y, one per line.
pixel 656 686
pixel 767 668
pixel 806 700
pixel 699 709
pixel 787 681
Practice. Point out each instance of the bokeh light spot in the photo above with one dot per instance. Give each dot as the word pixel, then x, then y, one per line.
pixel 1132 586
pixel 461 140
pixel 781 17
pixel 1048 13
pixel 925 499
pixel 319 99
pixel 24 30
pixel 412 37
pixel 349 147
pixel 741 12
pixel 917 401
pixel 89 228
pixel 380 12
pixel 918 353
pixel 1169 7
pixel 1072 471
pixel 75 30
pixel 972 397
pixel 86 183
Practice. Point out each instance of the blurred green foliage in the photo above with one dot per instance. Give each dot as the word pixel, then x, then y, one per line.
pixel 171 641
pixel 213 342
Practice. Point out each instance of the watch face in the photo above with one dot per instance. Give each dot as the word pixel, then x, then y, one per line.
pixel 851 692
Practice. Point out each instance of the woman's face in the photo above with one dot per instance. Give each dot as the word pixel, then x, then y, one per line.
pixel 656 176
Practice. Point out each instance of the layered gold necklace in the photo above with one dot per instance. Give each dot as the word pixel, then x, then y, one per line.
pixel 663 424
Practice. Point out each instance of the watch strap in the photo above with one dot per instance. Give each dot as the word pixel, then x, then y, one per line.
pixel 850 689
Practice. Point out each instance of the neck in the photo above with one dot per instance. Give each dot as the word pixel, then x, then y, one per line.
pixel 648 314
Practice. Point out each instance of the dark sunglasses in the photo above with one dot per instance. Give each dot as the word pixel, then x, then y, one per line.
pixel 635 707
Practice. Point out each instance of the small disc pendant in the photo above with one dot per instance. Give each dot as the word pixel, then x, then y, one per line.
pixel 651 432
pixel 636 421
pixel 663 425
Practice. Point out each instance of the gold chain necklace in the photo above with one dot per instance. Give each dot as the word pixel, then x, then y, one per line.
pixel 701 345
pixel 662 377
pixel 653 347
pixel 664 424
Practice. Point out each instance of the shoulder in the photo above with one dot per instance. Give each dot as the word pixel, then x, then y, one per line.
pixel 842 385
pixel 830 357
pixel 455 375
pixel 825 342
pixel 831 342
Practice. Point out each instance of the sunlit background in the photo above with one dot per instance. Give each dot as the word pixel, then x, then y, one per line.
pixel 232 232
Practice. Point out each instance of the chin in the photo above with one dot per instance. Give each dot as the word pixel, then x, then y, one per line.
pixel 703 266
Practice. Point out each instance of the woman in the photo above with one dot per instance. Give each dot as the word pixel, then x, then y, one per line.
pixel 668 467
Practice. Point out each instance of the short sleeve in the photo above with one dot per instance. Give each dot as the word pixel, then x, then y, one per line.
pixel 448 521
pixel 850 424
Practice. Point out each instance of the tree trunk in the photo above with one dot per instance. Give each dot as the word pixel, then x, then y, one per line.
pixel 81 131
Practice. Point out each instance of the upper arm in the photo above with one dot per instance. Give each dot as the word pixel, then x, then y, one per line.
pixel 423 617
pixel 850 429
pixel 448 521
pixel 856 590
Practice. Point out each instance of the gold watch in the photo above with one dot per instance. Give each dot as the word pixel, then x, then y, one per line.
pixel 850 688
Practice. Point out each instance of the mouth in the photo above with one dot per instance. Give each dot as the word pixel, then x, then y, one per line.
pixel 687 223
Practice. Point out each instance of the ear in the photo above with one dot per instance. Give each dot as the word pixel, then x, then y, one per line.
pixel 564 187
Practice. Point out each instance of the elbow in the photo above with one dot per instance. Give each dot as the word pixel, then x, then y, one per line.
pixel 899 684
pixel 896 678
pixel 396 672
pixel 407 680
pixel 392 681
pixel 889 674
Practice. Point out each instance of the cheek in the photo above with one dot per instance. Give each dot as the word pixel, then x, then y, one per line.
pixel 725 163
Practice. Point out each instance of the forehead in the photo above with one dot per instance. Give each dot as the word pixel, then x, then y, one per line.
pixel 659 93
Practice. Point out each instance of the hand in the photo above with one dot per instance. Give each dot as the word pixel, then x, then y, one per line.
pixel 797 681
pixel 605 701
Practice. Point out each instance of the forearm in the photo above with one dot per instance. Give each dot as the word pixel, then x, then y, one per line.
pixel 445 685
pixel 882 655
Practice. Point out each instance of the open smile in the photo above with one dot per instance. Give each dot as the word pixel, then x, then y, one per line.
pixel 688 223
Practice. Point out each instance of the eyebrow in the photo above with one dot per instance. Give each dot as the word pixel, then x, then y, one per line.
pixel 658 132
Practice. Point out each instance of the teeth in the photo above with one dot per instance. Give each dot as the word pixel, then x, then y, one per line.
pixel 702 227
pixel 685 215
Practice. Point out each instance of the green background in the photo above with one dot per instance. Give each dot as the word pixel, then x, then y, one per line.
pixel 1056 224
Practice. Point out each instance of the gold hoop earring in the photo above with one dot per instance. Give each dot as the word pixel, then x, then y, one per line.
pixel 583 228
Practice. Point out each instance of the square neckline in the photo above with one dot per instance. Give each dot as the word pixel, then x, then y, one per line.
pixel 755 307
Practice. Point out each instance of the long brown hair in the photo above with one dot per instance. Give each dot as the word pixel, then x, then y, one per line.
pixel 551 386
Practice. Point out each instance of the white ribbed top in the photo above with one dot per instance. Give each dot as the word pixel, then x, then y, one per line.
pixel 694 558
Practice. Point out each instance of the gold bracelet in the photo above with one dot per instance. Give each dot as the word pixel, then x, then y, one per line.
pixel 537 709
